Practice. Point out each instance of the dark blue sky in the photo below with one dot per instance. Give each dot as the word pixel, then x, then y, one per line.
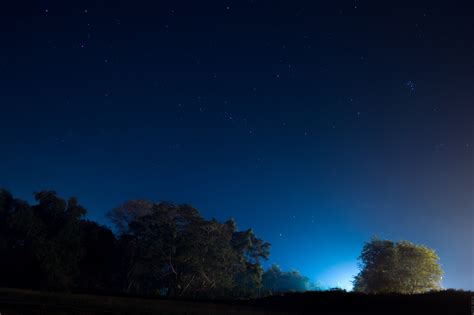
pixel 317 123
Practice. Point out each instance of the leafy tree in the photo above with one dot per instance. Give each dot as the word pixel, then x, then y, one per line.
pixel 171 249
pixel 401 267
pixel 98 267
pixel 250 251
pixel 40 244
pixel 161 248
pixel 57 245
pixel 277 281
pixel 123 215
pixel 18 227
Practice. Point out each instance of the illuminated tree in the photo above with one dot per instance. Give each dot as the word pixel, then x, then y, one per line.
pixel 401 267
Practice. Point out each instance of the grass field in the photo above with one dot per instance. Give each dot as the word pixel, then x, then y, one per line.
pixel 23 302
pixel 16 302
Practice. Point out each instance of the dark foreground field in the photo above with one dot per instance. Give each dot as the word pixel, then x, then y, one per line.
pixel 16 302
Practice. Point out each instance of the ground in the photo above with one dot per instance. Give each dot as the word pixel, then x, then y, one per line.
pixel 23 302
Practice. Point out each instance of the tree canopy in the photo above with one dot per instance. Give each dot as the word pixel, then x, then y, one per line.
pixel 276 280
pixel 172 249
pixel 169 249
pixel 158 249
pixel 401 267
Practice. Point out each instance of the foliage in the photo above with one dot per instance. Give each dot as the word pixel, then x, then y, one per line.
pixel 174 250
pixel 401 267
pixel 99 270
pixel 159 249
pixel 277 281
pixel 170 249
pixel 41 244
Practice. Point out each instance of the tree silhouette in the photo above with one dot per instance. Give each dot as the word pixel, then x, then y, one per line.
pixel 171 249
pixel 277 281
pixel 159 249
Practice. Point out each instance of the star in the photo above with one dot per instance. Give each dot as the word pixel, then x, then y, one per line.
pixel 410 85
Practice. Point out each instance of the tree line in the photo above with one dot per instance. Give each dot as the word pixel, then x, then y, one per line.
pixel 158 249
pixel 168 249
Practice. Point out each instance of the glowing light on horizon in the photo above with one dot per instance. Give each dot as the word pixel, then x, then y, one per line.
pixel 338 276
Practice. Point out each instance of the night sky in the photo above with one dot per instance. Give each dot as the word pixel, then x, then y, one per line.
pixel 319 124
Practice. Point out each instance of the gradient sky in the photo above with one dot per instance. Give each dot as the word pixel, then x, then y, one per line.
pixel 317 123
